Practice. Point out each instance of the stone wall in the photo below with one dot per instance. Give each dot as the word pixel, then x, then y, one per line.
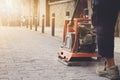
pixel 60 8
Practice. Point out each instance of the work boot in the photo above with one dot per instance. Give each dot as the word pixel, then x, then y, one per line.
pixel 110 73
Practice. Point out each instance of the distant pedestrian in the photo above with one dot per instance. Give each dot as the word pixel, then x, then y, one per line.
pixel 22 20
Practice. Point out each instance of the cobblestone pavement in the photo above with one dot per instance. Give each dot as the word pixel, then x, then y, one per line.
pixel 29 55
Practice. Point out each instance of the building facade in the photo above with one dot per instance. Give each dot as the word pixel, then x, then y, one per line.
pixel 63 9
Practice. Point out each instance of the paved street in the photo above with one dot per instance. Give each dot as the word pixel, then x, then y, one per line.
pixel 29 55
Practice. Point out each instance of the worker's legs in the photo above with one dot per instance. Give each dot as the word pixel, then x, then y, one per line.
pixel 105 40
pixel 110 62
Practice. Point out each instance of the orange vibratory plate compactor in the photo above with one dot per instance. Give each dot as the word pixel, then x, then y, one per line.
pixel 79 42
pixel 79 39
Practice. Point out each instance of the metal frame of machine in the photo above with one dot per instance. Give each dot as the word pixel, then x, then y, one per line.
pixel 69 56
pixel 71 30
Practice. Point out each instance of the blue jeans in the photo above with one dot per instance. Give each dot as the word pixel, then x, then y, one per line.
pixel 104 18
pixel 105 40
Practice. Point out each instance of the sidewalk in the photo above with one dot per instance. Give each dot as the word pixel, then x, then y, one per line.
pixel 59 34
pixel 117 44
pixel 117 51
pixel 48 31
pixel 29 55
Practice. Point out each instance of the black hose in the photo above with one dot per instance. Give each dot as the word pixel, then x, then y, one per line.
pixel 71 23
pixel 76 6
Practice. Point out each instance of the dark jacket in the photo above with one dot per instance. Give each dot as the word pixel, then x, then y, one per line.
pixel 105 12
